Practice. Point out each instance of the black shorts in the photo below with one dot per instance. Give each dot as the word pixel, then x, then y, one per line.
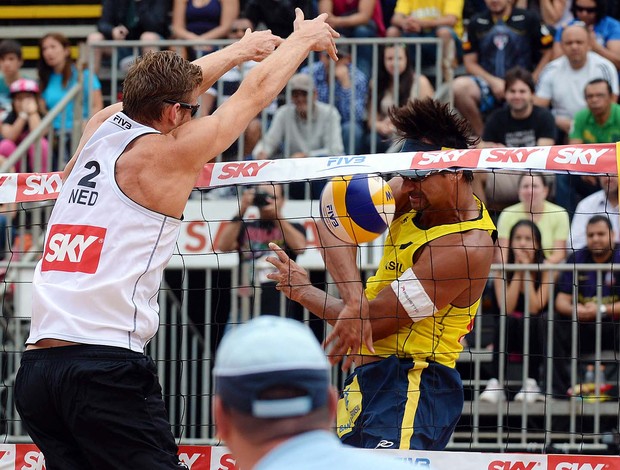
pixel 95 407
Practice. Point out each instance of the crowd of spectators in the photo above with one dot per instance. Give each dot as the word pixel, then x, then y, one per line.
pixel 528 73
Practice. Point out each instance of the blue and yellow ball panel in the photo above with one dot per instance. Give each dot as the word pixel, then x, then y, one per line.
pixel 357 209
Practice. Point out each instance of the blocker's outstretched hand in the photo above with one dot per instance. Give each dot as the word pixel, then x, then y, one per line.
pixel 260 44
pixel 318 32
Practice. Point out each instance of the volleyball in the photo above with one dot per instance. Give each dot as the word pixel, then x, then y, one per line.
pixel 357 209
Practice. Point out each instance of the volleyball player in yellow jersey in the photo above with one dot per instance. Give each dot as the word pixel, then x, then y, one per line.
pixel 405 391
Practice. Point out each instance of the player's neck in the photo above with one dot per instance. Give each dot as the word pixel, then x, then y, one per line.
pixel 460 209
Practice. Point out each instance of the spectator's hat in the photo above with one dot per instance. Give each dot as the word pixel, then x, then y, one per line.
pixel 302 82
pixel 23 85
pixel 266 353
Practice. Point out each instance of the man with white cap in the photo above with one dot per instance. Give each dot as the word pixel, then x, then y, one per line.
pixel 274 404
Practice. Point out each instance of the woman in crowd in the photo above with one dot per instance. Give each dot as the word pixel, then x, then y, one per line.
pixel 57 75
pixel 395 70
pixel 551 219
pixel 521 292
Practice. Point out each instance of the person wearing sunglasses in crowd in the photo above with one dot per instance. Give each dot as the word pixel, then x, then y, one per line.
pixel 604 31
pixel 111 233
pixel 403 332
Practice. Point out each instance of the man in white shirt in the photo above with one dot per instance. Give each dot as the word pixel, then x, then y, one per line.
pixel 603 202
pixel 563 80
pixel 304 128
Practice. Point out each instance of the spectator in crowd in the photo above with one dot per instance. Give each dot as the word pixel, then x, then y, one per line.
pixel 25 116
pixel 144 20
pixel 497 40
pixel 227 85
pixel 305 128
pixel 274 405
pixel 203 20
pixel 57 74
pixel 602 202
pixel 395 72
pixel 561 86
pixel 511 291
pixel 276 15
pixel 350 93
pixel 589 309
pixel 10 67
pixel 435 18
pixel 356 19
pixel 556 13
pixel 519 124
pixel 600 122
pixel 603 30
pixel 563 80
pixel 251 237
pixel 551 219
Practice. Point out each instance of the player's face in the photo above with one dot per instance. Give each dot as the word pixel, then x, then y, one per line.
pixel 519 96
pixel 391 55
pixel 599 238
pixel 598 98
pixel 532 191
pixel 54 53
pixel 428 192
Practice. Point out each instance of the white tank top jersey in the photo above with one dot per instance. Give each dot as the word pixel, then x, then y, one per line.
pixel 104 256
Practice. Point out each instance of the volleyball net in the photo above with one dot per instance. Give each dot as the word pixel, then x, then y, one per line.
pixel 206 291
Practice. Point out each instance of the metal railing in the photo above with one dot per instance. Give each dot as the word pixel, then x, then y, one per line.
pixel 190 323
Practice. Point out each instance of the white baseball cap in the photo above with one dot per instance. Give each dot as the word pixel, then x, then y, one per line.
pixel 268 352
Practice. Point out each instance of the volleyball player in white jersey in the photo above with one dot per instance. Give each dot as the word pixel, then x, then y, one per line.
pixel 87 394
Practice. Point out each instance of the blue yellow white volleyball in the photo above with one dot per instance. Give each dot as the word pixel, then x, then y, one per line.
pixel 357 209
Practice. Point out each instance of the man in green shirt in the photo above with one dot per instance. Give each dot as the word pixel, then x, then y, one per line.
pixel 600 122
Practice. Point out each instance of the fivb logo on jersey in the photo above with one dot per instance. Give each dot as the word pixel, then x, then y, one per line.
pixel 73 248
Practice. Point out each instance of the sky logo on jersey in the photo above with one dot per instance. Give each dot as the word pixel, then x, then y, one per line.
pixel 73 248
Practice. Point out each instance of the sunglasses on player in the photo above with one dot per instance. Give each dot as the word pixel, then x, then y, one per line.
pixel 193 107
